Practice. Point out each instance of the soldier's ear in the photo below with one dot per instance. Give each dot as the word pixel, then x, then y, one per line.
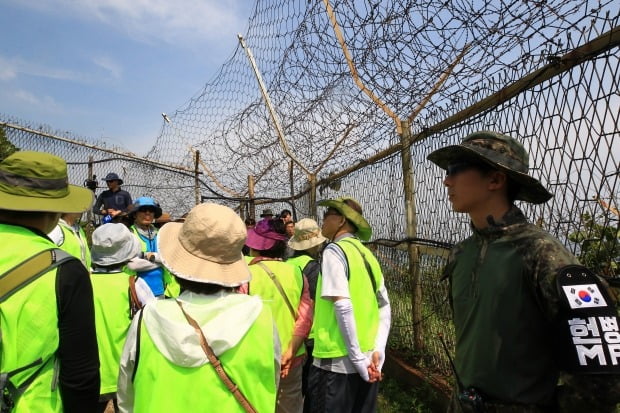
pixel 497 180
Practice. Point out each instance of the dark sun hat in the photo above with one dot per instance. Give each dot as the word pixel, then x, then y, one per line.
pixel 343 205
pixel 501 152
pixel 38 181
pixel 113 177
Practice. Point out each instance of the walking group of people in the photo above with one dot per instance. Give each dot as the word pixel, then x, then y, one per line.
pixel 214 314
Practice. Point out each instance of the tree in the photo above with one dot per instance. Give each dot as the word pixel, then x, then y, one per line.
pixel 6 147
pixel 599 245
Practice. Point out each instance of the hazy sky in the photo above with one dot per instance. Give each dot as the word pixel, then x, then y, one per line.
pixel 109 68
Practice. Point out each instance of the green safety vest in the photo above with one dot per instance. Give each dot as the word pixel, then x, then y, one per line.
pixel 162 386
pixel 291 280
pixel 111 295
pixel 171 285
pixel 29 325
pixel 328 341
pixel 75 244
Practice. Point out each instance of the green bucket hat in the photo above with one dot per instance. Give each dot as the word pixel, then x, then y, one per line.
pixel 37 181
pixel 501 152
pixel 364 231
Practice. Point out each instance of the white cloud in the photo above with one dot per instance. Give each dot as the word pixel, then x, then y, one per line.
pixel 7 69
pixel 45 102
pixel 12 67
pixel 185 23
pixel 115 69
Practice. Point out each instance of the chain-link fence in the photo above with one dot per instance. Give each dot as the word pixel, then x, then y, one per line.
pixel 335 97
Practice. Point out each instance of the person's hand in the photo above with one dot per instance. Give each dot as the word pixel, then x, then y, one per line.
pixel 113 212
pixel 374 370
pixel 285 362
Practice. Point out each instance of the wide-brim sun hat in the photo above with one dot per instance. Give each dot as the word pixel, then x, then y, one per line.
pixel 206 248
pixel 501 152
pixel 263 237
pixel 113 177
pixel 113 244
pixel 38 181
pixel 266 213
pixel 364 231
pixel 307 235
pixel 143 202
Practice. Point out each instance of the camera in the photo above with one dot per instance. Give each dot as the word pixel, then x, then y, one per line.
pixel 472 397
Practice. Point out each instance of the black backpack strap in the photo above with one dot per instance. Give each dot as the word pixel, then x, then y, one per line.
pixel 311 272
pixel 29 270
pixel 11 393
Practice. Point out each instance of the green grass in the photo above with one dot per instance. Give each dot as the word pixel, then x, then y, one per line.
pixel 394 398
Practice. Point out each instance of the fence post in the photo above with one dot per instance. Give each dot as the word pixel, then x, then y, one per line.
pixel 312 195
pixel 196 172
pixel 291 165
pixel 89 213
pixel 251 206
pixel 412 224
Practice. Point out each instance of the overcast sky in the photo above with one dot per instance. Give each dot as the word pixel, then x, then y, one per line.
pixel 109 68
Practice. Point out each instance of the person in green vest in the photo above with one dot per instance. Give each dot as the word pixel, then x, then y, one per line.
pixel 113 247
pixel 307 243
pixel 283 287
pixel 351 315
pixel 48 351
pixel 149 266
pixel 70 236
pixel 164 367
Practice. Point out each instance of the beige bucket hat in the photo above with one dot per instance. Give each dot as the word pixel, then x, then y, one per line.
pixel 206 247
pixel 307 235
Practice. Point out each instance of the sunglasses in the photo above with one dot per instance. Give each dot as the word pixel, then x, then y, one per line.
pixel 458 167
pixel 147 209
pixel 328 213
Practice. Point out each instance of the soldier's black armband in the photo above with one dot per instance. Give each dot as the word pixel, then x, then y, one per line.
pixel 588 325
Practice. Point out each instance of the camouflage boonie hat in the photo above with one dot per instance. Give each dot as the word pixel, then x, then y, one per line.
pixel 501 152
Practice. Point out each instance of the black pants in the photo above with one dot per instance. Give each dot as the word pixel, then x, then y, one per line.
pixel 340 393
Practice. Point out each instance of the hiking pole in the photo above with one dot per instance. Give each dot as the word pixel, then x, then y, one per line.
pixel 469 395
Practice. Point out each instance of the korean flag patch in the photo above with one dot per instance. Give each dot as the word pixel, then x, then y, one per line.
pixel 584 296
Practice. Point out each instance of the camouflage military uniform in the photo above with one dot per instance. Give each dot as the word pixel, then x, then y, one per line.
pixel 505 301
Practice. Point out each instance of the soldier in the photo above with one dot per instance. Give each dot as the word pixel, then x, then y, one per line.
pixel 510 314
